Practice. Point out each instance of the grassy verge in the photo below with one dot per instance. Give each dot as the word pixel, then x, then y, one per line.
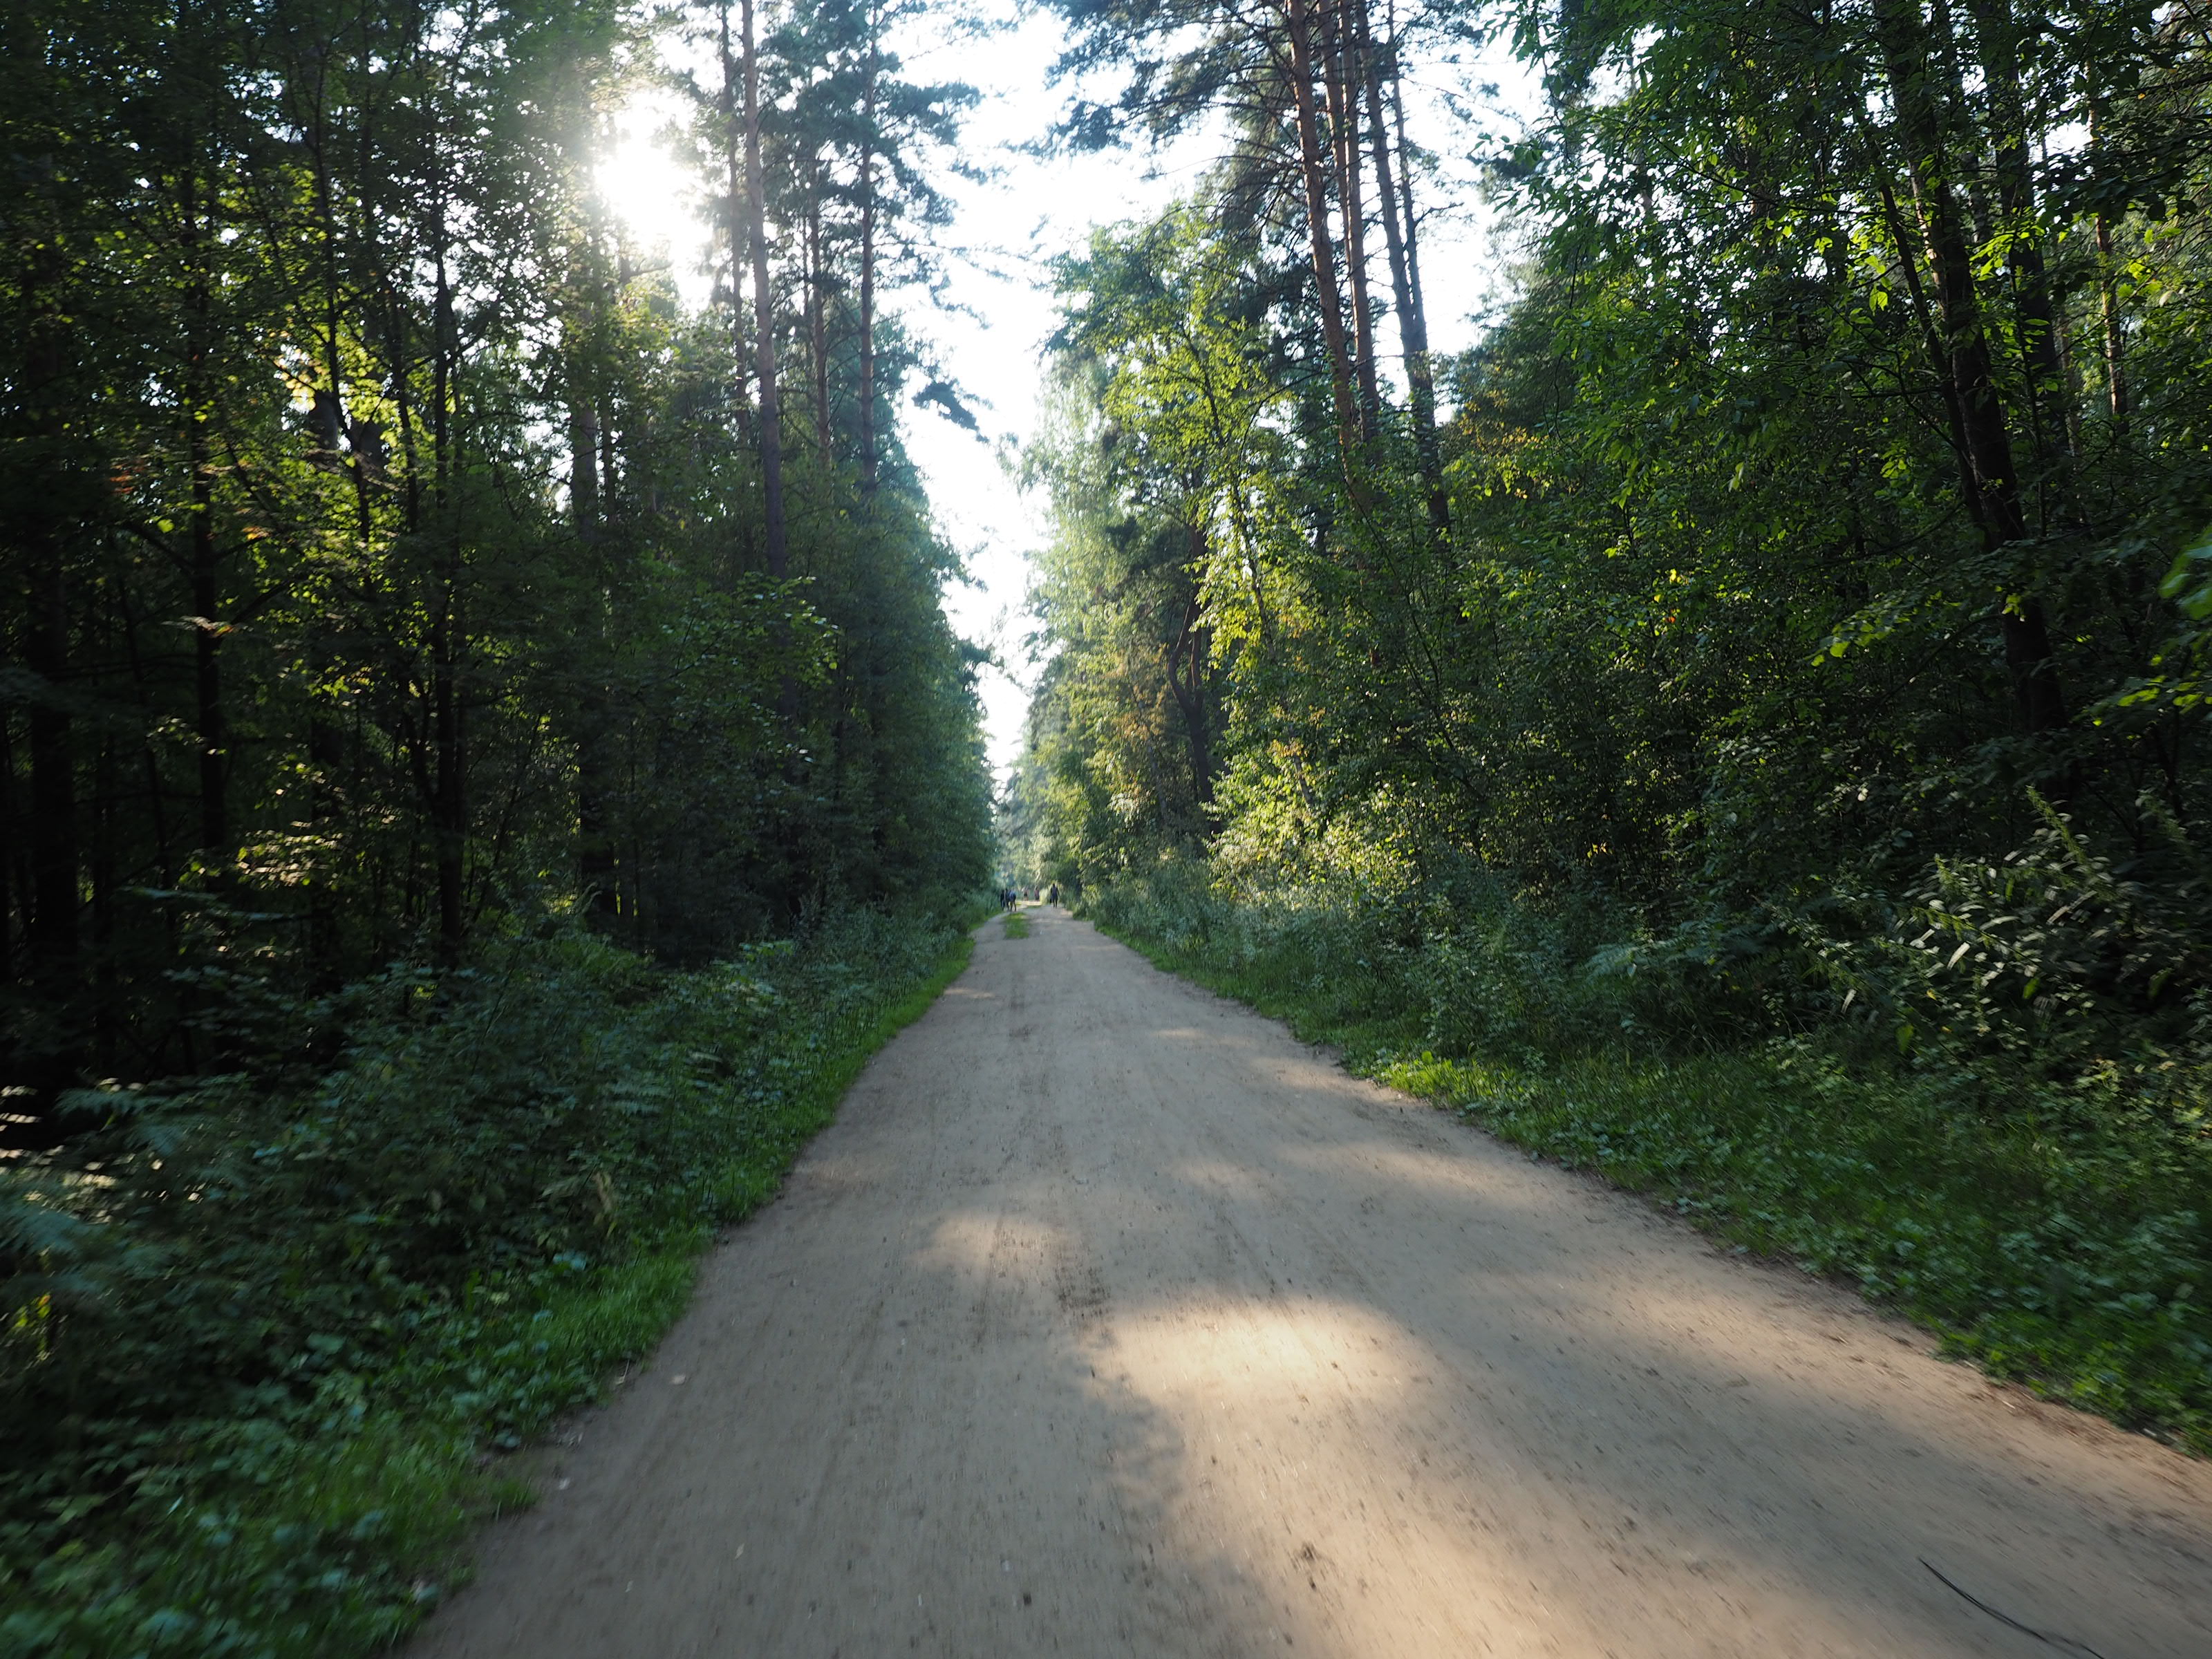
pixel 260 1420
pixel 2047 1238
pixel 1018 925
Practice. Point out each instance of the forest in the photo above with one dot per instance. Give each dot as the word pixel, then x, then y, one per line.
pixel 485 759
pixel 484 755
pixel 1739 726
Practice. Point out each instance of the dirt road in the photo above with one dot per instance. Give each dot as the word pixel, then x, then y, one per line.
pixel 1109 1319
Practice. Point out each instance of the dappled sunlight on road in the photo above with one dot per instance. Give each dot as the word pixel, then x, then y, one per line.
pixel 1109 1320
pixel 1372 1163
pixel 1368 1505
pixel 970 1242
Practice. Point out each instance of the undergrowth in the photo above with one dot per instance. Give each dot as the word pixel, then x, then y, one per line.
pixel 2056 1232
pixel 257 1345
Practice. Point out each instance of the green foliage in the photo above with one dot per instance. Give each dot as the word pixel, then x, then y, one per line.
pixel 2058 965
pixel 257 1338
pixel 383 542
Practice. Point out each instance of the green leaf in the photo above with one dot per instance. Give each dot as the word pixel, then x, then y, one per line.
pixel 2192 565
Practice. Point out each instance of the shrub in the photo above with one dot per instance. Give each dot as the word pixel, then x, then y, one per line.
pixel 252 1338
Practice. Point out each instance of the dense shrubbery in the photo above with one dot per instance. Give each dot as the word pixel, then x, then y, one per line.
pixel 2054 1220
pixel 257 1329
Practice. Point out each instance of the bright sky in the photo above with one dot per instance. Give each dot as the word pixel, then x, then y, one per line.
pixel 1003 237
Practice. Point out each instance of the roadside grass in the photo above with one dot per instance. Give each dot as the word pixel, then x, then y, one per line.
pixel 318 1501
pixel 1018 925
pixel 2050 1240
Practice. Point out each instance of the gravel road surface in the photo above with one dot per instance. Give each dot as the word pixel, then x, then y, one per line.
pixel 1110 1319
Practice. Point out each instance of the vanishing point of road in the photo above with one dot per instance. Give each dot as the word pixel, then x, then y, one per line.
pixel 1109 1319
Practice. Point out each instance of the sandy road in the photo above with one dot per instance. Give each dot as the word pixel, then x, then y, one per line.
pixel 1109 1319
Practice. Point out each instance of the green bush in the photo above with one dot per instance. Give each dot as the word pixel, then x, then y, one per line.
pixel 257 1339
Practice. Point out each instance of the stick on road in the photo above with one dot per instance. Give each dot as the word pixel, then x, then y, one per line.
pixel 1108 1319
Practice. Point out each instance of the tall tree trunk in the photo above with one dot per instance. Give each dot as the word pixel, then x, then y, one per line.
pixel 2108 311
pixel 1314 173
pixel 598 868
pixel 1340 56
pixel 1931 339
pixel 867 391
pixel 867 183
pixel 53 919
pixel 1188 656
pixel 1406 195
pixel 817 320
pixel 596 875
pixel 15 883
pixel 206 562
pixel 1404 293
pixel 106 993
pixel 771 430
pixel 1988 440
pixel 444 341
pixel 448 709
pixel 50 910
pixel 1997 36
pixel 2108 299
pixel 733 170
pixel 449 810
pixel 584 466
pixel 207 639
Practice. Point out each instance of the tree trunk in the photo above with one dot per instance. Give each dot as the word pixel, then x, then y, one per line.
pixel 448 807
pixel 1406 206
pixel 49 891
pixel 597 871
pixel 1988 440
pixel 583 465
pixel 14 881
pixel 817 320
pixel 867 190
pixel 207 639
pixel 1931 339
pixel 449 813
pixel 52 934
pixel 733 170
pixel 596 875
pixel 1404 293
pixel 205 557
pixel 1314 173
pixel 2108 309
pixel 1187 655
pixel 867 394
pixel 1998 35
pixel 771 430
pixel 106 996
pixel 1339 57
pixel 216 849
